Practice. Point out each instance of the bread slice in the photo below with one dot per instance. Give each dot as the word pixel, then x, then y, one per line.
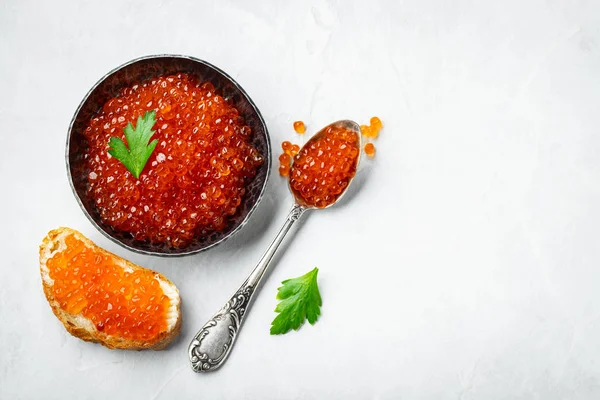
pixel 83 328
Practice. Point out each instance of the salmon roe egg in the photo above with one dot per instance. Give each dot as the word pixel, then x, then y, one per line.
pixel 376 125
pixel 365 130
pixel 286 146
pixel 285 159
pixel 370 149
pixel 284 170
pixel 323 168
pixel 299 127
pixel 294 150
pixel 128 304
pixel 195 179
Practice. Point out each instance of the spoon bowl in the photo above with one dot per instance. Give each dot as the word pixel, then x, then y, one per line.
pixel 347 125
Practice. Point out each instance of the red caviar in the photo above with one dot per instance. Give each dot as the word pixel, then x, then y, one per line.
pixel 286 146
pixel 376 125
pixel 294 150
pixel 130 305
pixel 196 177
pixel 299 127
pixel 372 130
pixel 365 130
pixel 370 149
pixel 324 167
pixel 284 170
pixel 285 159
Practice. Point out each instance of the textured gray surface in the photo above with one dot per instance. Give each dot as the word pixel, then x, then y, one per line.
pixel 474 234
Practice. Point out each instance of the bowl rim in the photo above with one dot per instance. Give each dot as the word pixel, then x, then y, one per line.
pixel 157 253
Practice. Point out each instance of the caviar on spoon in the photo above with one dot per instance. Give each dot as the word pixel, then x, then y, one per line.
pixel 320 175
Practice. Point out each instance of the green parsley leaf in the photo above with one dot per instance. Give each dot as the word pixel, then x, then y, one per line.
pixel 300 300
pixel 136 157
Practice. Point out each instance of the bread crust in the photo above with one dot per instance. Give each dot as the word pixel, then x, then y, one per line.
pixel 81 327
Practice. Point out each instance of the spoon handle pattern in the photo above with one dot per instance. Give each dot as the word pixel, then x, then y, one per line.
pixel 212 344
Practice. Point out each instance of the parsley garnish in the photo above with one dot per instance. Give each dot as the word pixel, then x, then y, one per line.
pixel 300 300
pixel 139 151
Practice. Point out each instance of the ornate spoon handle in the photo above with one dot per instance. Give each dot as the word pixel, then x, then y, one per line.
pixel 211 345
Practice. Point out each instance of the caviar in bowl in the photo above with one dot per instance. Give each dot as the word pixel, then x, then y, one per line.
pixel 206 174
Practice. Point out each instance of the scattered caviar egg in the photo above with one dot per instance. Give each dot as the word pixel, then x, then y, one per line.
pixel 286 146
pixel 370 149
pixel 284 170
pixel 299 127
pixel 285 159
pixel 128 304
pixel 196 176
pixel 365 130
pixel 376 124
pixel 324 166
pixel 372 130
pixel 284 164
pixel 294 150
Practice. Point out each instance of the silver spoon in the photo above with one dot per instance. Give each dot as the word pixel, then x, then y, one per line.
pixel 211 346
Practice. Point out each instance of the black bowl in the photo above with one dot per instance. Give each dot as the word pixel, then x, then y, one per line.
pixel 137 71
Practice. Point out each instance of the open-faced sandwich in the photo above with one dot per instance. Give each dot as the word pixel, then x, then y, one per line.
pixel 100 297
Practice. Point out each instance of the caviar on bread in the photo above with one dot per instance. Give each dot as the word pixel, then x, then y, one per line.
pixel 100 297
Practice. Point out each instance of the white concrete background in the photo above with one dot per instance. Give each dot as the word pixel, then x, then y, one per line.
pixel 467 266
